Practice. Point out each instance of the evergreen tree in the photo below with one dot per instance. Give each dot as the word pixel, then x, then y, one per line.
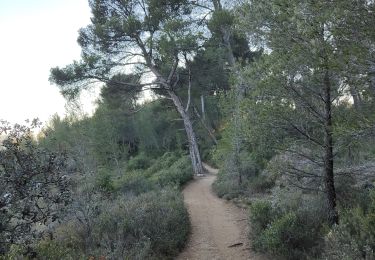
pixel 302 79
pixel 149 38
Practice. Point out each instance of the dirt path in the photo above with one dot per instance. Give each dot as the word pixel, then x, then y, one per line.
pixel 219 229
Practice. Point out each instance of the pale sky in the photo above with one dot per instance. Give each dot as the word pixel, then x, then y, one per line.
pixel 35 36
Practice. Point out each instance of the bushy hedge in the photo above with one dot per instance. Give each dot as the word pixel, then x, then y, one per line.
pixel 226 187
pixel 178 173
pixel 141 161
pixel 153 225
pixel 139 214
pixel 170 169
pixel 134 182
pixel 289 233
pixel 253 179
pixel 354 237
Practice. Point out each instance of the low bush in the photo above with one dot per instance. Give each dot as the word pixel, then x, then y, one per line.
pixel 227 184
pixel 154 224
pixel 260 184
pixel 226 187
pixel 287 236
pixel 261 215
pixel 168 170
pixel 141 161
pixel 293 230
pixel 163 162
pixel 354 237
pixel 138 215
pixel 51 249
pixel 44 249
pixel 134 182
pixel 104 180
pixel 178 173
pixel 280 236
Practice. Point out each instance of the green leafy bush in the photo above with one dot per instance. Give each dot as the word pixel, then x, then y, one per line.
pixel 261 215
pixel 287 236
pixel 226 188
pixel 178 173
pixel 45 249
pixel 52 249
pixel 260 183
pixel 163 162
pixel 354 237
pixel 166 170
pixel 134 182
pixel 104 180
pixel 226 185
pixel 153 224
pixel 141 161
pixel 294 233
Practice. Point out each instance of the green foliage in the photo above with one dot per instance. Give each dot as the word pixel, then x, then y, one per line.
pixel 226 186
pixel 163 162
pixel 166 223
pixel 354 237
pixel 34 186
pixel 153 225
pixel 178 173
pixel 169 169
pixel 281 237
pixel 221 19
pixel 261 215
pixel 141 161
pixel 134 182
pixel 253 181
pixel 261 183
pixel 292 227
pixel 51 249
pixel 104 181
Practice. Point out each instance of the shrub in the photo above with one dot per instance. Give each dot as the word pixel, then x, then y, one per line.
pixel 141 161
pixel 285 236
pixel 354 237
pixel 165 171
pixel 261 183
pixel 178 173
pixel 154 224
pixel 294 232
pixel 163 162
pixel 134 182
pixel 226 188
pixel 226 184
pixel 104 180
pixel 52 249
pixel 144 218
pixel 261 215
pixel 34 186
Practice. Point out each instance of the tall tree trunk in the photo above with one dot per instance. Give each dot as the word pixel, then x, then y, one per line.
pixel 329 180
pixel 206 126
pixel 193 144
pixel 203 108
pixel 237 138
pixel 226 35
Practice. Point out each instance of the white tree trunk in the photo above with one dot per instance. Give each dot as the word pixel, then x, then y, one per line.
pixel 193 145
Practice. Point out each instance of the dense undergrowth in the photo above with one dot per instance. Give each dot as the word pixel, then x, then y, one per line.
pixel 288 222
pixel 135 212
pixel 279 87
